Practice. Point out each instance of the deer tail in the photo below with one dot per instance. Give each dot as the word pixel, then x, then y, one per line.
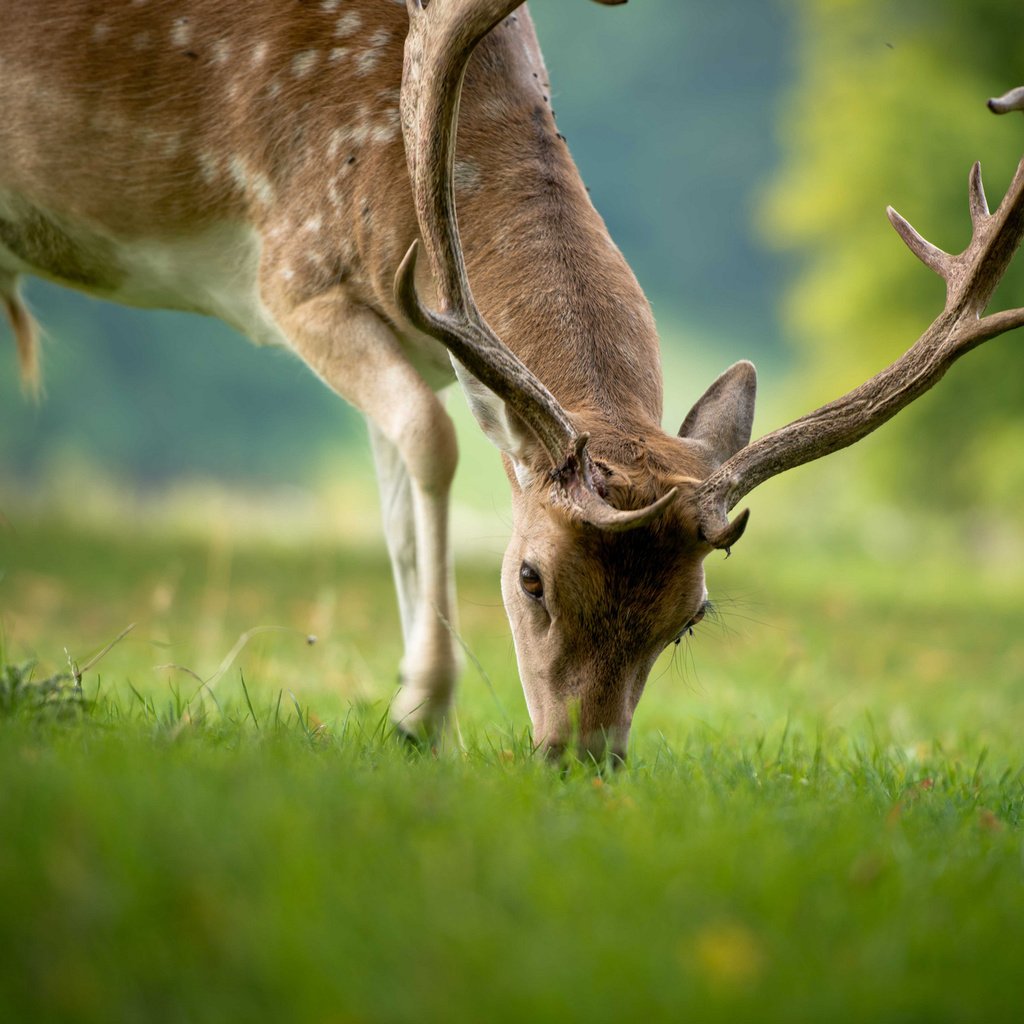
pixel 26 337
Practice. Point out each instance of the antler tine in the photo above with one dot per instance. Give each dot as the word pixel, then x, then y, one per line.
pixel 594 511
pixel 977 198
pixel 441 40
pixel 1012 100
pixel 930 255
pixel 575 479
pixel 971 278
pixel 994 240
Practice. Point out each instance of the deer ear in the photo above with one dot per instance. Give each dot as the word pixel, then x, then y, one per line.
pixel 723 417
pixel 500 425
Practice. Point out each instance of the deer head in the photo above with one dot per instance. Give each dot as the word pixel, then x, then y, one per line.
pixel 593 601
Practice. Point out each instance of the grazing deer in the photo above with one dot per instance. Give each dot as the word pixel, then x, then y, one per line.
pixel 269 163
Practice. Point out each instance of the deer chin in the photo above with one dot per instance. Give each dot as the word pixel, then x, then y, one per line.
pixel 580 712
pixel 572 715
pixel 558 736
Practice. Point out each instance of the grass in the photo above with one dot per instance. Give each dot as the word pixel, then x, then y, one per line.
pixel 821 819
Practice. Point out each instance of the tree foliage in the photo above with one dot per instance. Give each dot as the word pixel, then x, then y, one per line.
pixel 889 107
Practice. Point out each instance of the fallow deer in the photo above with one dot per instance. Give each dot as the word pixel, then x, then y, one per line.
pixel 279 165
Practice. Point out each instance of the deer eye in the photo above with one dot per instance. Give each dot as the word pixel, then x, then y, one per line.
pixel 530 581
pixel 688 628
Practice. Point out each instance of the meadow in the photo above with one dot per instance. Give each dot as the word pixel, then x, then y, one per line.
pixel 205 815
pixel 211 820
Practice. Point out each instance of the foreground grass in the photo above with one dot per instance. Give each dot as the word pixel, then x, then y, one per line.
pixel 821 819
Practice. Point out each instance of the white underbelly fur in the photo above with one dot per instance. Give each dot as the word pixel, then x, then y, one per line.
pixel 214 272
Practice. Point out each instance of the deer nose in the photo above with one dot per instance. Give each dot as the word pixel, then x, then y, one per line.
pixel 553 750
pixel 597 748
pixel 601 748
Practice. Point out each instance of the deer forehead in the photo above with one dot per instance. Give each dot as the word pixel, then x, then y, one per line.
pixel 654 574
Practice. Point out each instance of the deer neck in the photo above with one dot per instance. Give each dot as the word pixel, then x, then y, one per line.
pixel 543 269
pixel 553 285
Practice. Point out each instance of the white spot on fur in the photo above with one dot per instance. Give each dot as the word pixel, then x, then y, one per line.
pixel 259 53
pixel 239 175
pixel 303 63
pixel 252 183
pixel 361 132
pixel 209 167
pixel 221 51
pixel 466 176
pixel 329 5
pixel 171 145
pixel 100 31
pixel 262 188
pixel 181 32
pixel 494 106
pixel 347 24
pixel 343 137
pixel 383 132
pixel 287 273
pixel 369 57
pixel 367 61
pixel 338 53
pixel 313 224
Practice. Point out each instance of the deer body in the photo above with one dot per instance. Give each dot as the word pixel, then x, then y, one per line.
pixel 228 156
pixel 214 148
pixel 272 163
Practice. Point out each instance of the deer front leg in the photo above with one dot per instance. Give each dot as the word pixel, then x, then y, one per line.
pixel 399 521
pixel 360 358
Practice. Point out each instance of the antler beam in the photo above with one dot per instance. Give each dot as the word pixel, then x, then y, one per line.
pixel 441 40
pixel 442 37
pixel 971 277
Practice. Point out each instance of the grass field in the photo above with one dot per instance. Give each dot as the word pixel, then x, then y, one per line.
pixel 820 820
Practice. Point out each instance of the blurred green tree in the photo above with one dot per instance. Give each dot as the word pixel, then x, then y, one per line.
pixel 889 107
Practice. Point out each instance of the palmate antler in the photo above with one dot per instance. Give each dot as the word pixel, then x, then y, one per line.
pixel 971 277
pixel 441 40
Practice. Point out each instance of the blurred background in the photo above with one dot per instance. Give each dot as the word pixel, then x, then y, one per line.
pixel 184 512
pixel 742 154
